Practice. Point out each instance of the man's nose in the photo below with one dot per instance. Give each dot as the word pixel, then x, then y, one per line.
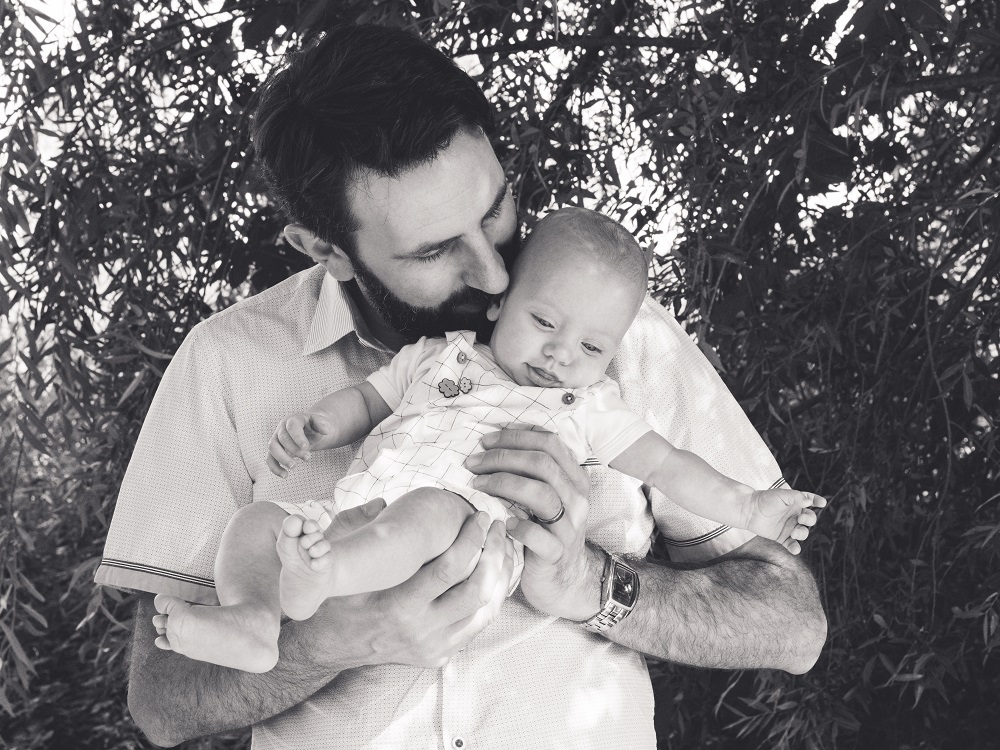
pixel 485 269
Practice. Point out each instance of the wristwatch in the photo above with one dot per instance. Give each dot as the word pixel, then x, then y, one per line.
pixel 619 592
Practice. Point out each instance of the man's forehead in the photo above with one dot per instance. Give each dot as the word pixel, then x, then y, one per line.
pixel 439 194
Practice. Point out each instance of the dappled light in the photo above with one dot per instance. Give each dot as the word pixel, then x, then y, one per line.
pixel 818 181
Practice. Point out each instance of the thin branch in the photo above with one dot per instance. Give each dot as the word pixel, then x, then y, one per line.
pixel 573 41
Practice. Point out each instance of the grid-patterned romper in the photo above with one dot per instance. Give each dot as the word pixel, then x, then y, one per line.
pixel 445 395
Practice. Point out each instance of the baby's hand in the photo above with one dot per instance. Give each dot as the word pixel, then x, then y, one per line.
pixel 294 438
pixel 783 515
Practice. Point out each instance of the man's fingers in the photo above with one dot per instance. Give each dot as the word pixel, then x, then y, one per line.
pixel 479 590
pixel 541 498
pixel 466 629
pixel 349 520
pixel 455 564
pixel 546 546
pixel 532 451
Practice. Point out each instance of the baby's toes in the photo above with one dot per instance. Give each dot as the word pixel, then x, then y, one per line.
pixel 792 546
pixel 322 547
pixel 308 541
pixel 800 533
pixel 292 526
pixel 806 518
pixel 162 643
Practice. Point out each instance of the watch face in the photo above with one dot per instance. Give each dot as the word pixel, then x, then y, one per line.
pixel 623 585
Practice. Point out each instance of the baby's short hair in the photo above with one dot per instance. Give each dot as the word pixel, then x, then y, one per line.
pixel 604 239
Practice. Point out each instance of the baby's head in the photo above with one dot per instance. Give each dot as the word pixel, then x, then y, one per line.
pixel 574 291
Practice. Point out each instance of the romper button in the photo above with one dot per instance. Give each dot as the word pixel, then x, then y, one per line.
pixel 568 398
pixel 458 743
pixel 462 359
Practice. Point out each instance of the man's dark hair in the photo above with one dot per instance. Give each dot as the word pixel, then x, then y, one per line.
pixel 362 97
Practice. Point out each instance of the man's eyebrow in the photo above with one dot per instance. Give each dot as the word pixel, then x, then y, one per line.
pixel 427 247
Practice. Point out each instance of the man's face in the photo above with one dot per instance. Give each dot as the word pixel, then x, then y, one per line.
pixel 432 243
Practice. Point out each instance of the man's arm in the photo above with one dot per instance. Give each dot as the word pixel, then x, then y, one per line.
pixel 756 607
pixel 421 622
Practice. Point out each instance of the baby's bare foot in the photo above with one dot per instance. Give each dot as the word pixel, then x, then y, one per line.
pixel 307 567
pixel 238 636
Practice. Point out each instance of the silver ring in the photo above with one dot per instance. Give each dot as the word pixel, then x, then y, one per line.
pixel 550 521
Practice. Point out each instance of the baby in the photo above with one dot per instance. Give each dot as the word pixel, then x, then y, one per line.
pixel 574 291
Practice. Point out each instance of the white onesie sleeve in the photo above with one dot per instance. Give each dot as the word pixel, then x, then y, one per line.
pixel 392 380
pixel 608 424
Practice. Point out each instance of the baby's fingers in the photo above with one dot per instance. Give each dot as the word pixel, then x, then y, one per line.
pixel 815 501
pixel 806 518
pixel 293 436
pixel 278 460
pixel 792 546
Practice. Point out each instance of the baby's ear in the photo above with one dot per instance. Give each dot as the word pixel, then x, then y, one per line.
pixel 493 312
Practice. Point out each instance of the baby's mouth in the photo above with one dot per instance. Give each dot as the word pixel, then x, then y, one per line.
pixel 542 378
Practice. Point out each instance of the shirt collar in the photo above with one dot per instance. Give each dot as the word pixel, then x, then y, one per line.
pixel 336 316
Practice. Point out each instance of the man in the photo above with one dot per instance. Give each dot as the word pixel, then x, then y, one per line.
pixel 375 145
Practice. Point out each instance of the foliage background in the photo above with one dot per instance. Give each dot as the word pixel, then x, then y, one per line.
pixel 827 180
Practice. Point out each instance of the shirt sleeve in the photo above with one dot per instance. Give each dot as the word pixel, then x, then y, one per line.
pixel 185 479
pixel 609 425
pixel 666 378
pixel 392 380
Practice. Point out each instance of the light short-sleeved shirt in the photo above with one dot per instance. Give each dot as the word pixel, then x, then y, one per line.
pixel 528 680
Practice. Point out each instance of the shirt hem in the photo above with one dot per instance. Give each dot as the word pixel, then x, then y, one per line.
pixel 122 574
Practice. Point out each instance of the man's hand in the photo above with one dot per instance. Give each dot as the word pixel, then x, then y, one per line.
pixel 537 472
pixel 423 622
pixel 432 616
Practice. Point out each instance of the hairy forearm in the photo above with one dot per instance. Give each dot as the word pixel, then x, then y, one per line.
pixel 173 698
pixel 755 608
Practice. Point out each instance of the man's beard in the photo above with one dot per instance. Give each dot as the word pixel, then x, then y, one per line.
pixel 464 310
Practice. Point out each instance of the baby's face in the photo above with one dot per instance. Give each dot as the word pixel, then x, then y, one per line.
pixel 562 317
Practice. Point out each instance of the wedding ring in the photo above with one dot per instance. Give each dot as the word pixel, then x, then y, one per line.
pixel 550 521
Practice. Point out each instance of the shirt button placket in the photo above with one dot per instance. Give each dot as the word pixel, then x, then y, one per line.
pixel 454 708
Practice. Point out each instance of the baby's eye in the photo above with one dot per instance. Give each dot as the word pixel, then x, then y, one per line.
pixel 591 348
pixel 542 322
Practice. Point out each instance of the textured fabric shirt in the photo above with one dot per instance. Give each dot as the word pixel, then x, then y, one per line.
pixel 528 680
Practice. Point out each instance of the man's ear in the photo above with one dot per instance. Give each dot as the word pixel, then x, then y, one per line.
pixel 328 255
pixel 493 311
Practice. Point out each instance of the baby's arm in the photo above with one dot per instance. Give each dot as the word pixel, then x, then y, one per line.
pixel 334 421
pixel 779 514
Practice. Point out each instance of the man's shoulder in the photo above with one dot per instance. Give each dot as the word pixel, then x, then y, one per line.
pixel 290 301
pixel 653 336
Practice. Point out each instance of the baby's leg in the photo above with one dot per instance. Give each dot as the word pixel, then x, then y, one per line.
pixel 417 527
pixel 243 632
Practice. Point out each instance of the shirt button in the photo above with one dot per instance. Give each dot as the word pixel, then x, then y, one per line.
pixel 568 398
pixel 458 743
pixel 462 359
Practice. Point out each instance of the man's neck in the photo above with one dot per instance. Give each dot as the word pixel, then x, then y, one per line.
pixel 377 328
